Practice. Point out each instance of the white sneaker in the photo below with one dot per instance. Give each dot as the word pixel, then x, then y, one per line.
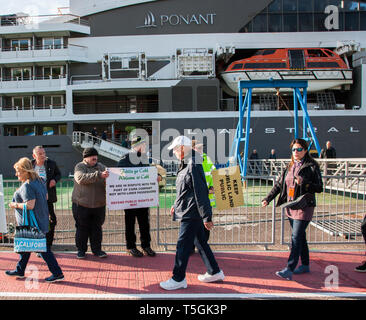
pixel 171 284
pixel 211 278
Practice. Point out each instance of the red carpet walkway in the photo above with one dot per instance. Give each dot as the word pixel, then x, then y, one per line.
pixel 248 275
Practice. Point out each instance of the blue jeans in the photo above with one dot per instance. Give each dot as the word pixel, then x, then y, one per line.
pixel 47 256
pixel 299 245
pixel 192 232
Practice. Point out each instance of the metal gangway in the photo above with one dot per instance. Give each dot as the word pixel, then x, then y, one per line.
pixel 105 148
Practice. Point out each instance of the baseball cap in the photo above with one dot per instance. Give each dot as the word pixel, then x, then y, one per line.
pixel 180 141
pixel 137 140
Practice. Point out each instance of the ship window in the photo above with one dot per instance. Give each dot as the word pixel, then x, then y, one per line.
pixel 306 6
pixel 316 53
pixel 265 65
pixel 352 21
pixel 275 6
pixel 62 129
pixel 275 23
pixel 259 53
pixel 29 131
pixel 52 43
pixel 363 20
pixel 320 5
pixel 20 73
pixel 328 64
pixel 18 147
pixel 265 52
pixel 268 52
pixel 21 102
pixel 290 22
pixel 20 44
pixel 237 66
pixel 47 131
pixel 351 5
pixel 260 23
pixel 306 22
pixel 289 5
pixel 55 72
pixel 55 101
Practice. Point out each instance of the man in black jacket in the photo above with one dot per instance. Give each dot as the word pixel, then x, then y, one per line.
pixel 137 158
pixel 329 152
pixel 50 173
pixel 192 207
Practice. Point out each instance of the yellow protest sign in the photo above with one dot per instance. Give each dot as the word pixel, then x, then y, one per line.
pixel 228 187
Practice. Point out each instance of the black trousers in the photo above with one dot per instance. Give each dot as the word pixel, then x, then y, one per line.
pixel 363 228
pixel 88 223
pixel 142 216
pixel 50 235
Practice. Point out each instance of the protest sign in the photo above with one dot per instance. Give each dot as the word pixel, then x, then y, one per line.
pixel 228 188
pixel 3 227
pixel 131 188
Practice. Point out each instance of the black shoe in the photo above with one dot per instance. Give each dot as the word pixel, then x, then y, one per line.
pixel 100 254
pixel 135 252
pixel 149 252
pixel 80 255
pixel 361 268
pixel 55 278
pixel 15 273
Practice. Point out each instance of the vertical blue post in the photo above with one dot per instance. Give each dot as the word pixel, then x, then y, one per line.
pixel 306 115
pixel 296 114
pixel 247 131
pixel 305 123
pixel 240 124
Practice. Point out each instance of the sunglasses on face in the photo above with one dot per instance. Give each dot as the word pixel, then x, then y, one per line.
pixel 297 149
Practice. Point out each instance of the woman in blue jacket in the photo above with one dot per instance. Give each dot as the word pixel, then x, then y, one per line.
pixel 32 194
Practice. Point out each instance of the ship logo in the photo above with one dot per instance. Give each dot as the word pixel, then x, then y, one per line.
pixel 149 21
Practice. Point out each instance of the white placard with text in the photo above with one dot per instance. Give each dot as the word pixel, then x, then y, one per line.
pixel 133 187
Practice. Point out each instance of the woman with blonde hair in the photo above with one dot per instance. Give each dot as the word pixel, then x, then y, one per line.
pixel 32 194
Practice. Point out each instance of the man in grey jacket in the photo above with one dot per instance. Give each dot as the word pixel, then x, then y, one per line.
pixel 192 207
pixel 88 203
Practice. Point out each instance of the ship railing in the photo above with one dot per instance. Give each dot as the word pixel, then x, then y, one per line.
pixel 19 20
pixel 33 81
pixel 355 167
pixel 336 221
pixel 39 51
pixel 33 110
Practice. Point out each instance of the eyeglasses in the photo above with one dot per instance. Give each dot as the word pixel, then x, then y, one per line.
pixel 297 149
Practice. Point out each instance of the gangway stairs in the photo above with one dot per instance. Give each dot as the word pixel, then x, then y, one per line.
pixel 105 148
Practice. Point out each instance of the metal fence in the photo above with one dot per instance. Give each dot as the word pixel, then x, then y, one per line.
pixel 337 218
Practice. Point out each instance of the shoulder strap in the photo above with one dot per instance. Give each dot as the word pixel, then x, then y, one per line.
pixel 25 215
pixel 32 219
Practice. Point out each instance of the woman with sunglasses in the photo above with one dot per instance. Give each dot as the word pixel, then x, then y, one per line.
pixel 302 176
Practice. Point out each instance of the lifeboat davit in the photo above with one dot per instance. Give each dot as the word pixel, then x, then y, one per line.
pixel 322 68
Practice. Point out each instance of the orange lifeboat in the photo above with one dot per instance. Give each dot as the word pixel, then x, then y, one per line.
pixel 322 68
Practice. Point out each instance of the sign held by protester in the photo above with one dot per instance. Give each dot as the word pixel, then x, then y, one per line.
pixel 3 227
pixel 228 187
pixel 131 188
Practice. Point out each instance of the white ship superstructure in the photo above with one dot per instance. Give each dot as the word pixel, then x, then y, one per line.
pixel 115 65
